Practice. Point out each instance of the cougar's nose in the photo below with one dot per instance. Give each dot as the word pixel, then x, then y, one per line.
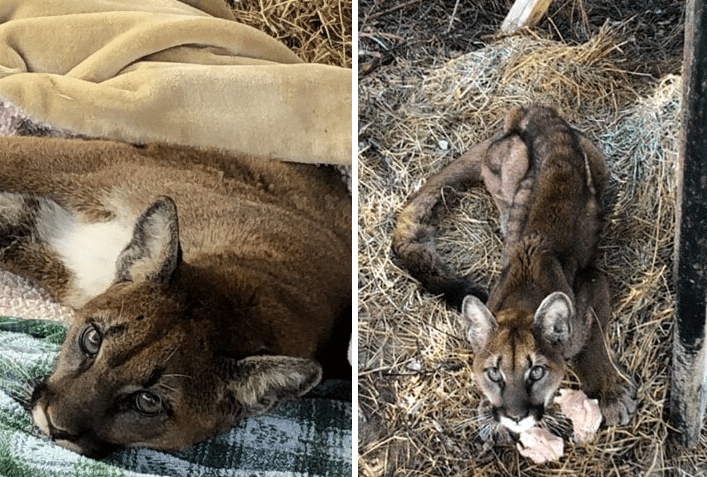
pixel 518 416
pixel 43 418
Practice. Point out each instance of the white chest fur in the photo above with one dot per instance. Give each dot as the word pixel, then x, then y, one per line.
pixel 88 250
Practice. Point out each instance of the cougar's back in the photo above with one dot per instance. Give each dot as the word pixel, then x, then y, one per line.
pixel 282 219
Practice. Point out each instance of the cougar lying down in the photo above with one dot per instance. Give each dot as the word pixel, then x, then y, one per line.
pixel 550 303
pixel 207 288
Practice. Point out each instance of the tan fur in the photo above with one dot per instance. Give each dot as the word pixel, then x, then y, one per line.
pixel 550 303
pixel 234 284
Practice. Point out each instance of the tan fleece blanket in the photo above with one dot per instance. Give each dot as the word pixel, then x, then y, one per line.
pixel 181 72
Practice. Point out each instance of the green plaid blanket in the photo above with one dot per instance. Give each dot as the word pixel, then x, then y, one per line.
pixel 307 437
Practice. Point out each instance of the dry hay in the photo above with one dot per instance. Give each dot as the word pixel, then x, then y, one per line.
pixel 416 394
pixel 319 31
pixel 420 29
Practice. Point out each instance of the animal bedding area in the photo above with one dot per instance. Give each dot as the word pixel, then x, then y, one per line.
pixel 319 31
pixel 434 79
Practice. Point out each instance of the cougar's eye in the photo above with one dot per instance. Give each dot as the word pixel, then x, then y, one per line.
pixel 90 341
pixel 148 403
pixel 493 374
pixel 536 373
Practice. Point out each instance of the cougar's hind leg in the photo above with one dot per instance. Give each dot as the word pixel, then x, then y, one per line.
pixel 601 375
pixel 22 250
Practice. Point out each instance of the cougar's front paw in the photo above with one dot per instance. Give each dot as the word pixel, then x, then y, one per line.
pixel 618 403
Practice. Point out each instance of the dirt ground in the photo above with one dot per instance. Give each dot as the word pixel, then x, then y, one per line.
pixel 434 79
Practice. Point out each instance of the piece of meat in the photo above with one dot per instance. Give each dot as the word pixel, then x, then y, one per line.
pixel 582 411
pixel 540 445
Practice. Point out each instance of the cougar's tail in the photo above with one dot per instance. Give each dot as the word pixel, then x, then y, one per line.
pixel 413 238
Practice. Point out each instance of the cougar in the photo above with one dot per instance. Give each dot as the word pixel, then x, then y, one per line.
pixel 207 288
pixel 550 303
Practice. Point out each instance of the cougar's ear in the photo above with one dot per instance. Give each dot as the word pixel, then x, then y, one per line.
pixel 480 323
pixel 153 253
pixel 257 383
pixel 553 319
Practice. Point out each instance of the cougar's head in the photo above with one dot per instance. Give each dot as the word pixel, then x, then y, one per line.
pixel 518 363
pixel 138 366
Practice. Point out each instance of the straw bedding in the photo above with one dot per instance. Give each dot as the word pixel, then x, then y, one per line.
pixel 422 107
pixel 319 31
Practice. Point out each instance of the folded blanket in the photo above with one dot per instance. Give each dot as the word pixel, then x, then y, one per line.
pixel 310 436
pixel 177 72
pixel 16 122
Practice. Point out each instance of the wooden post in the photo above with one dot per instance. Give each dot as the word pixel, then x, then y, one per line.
pixel 524 13
pixel 688 386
